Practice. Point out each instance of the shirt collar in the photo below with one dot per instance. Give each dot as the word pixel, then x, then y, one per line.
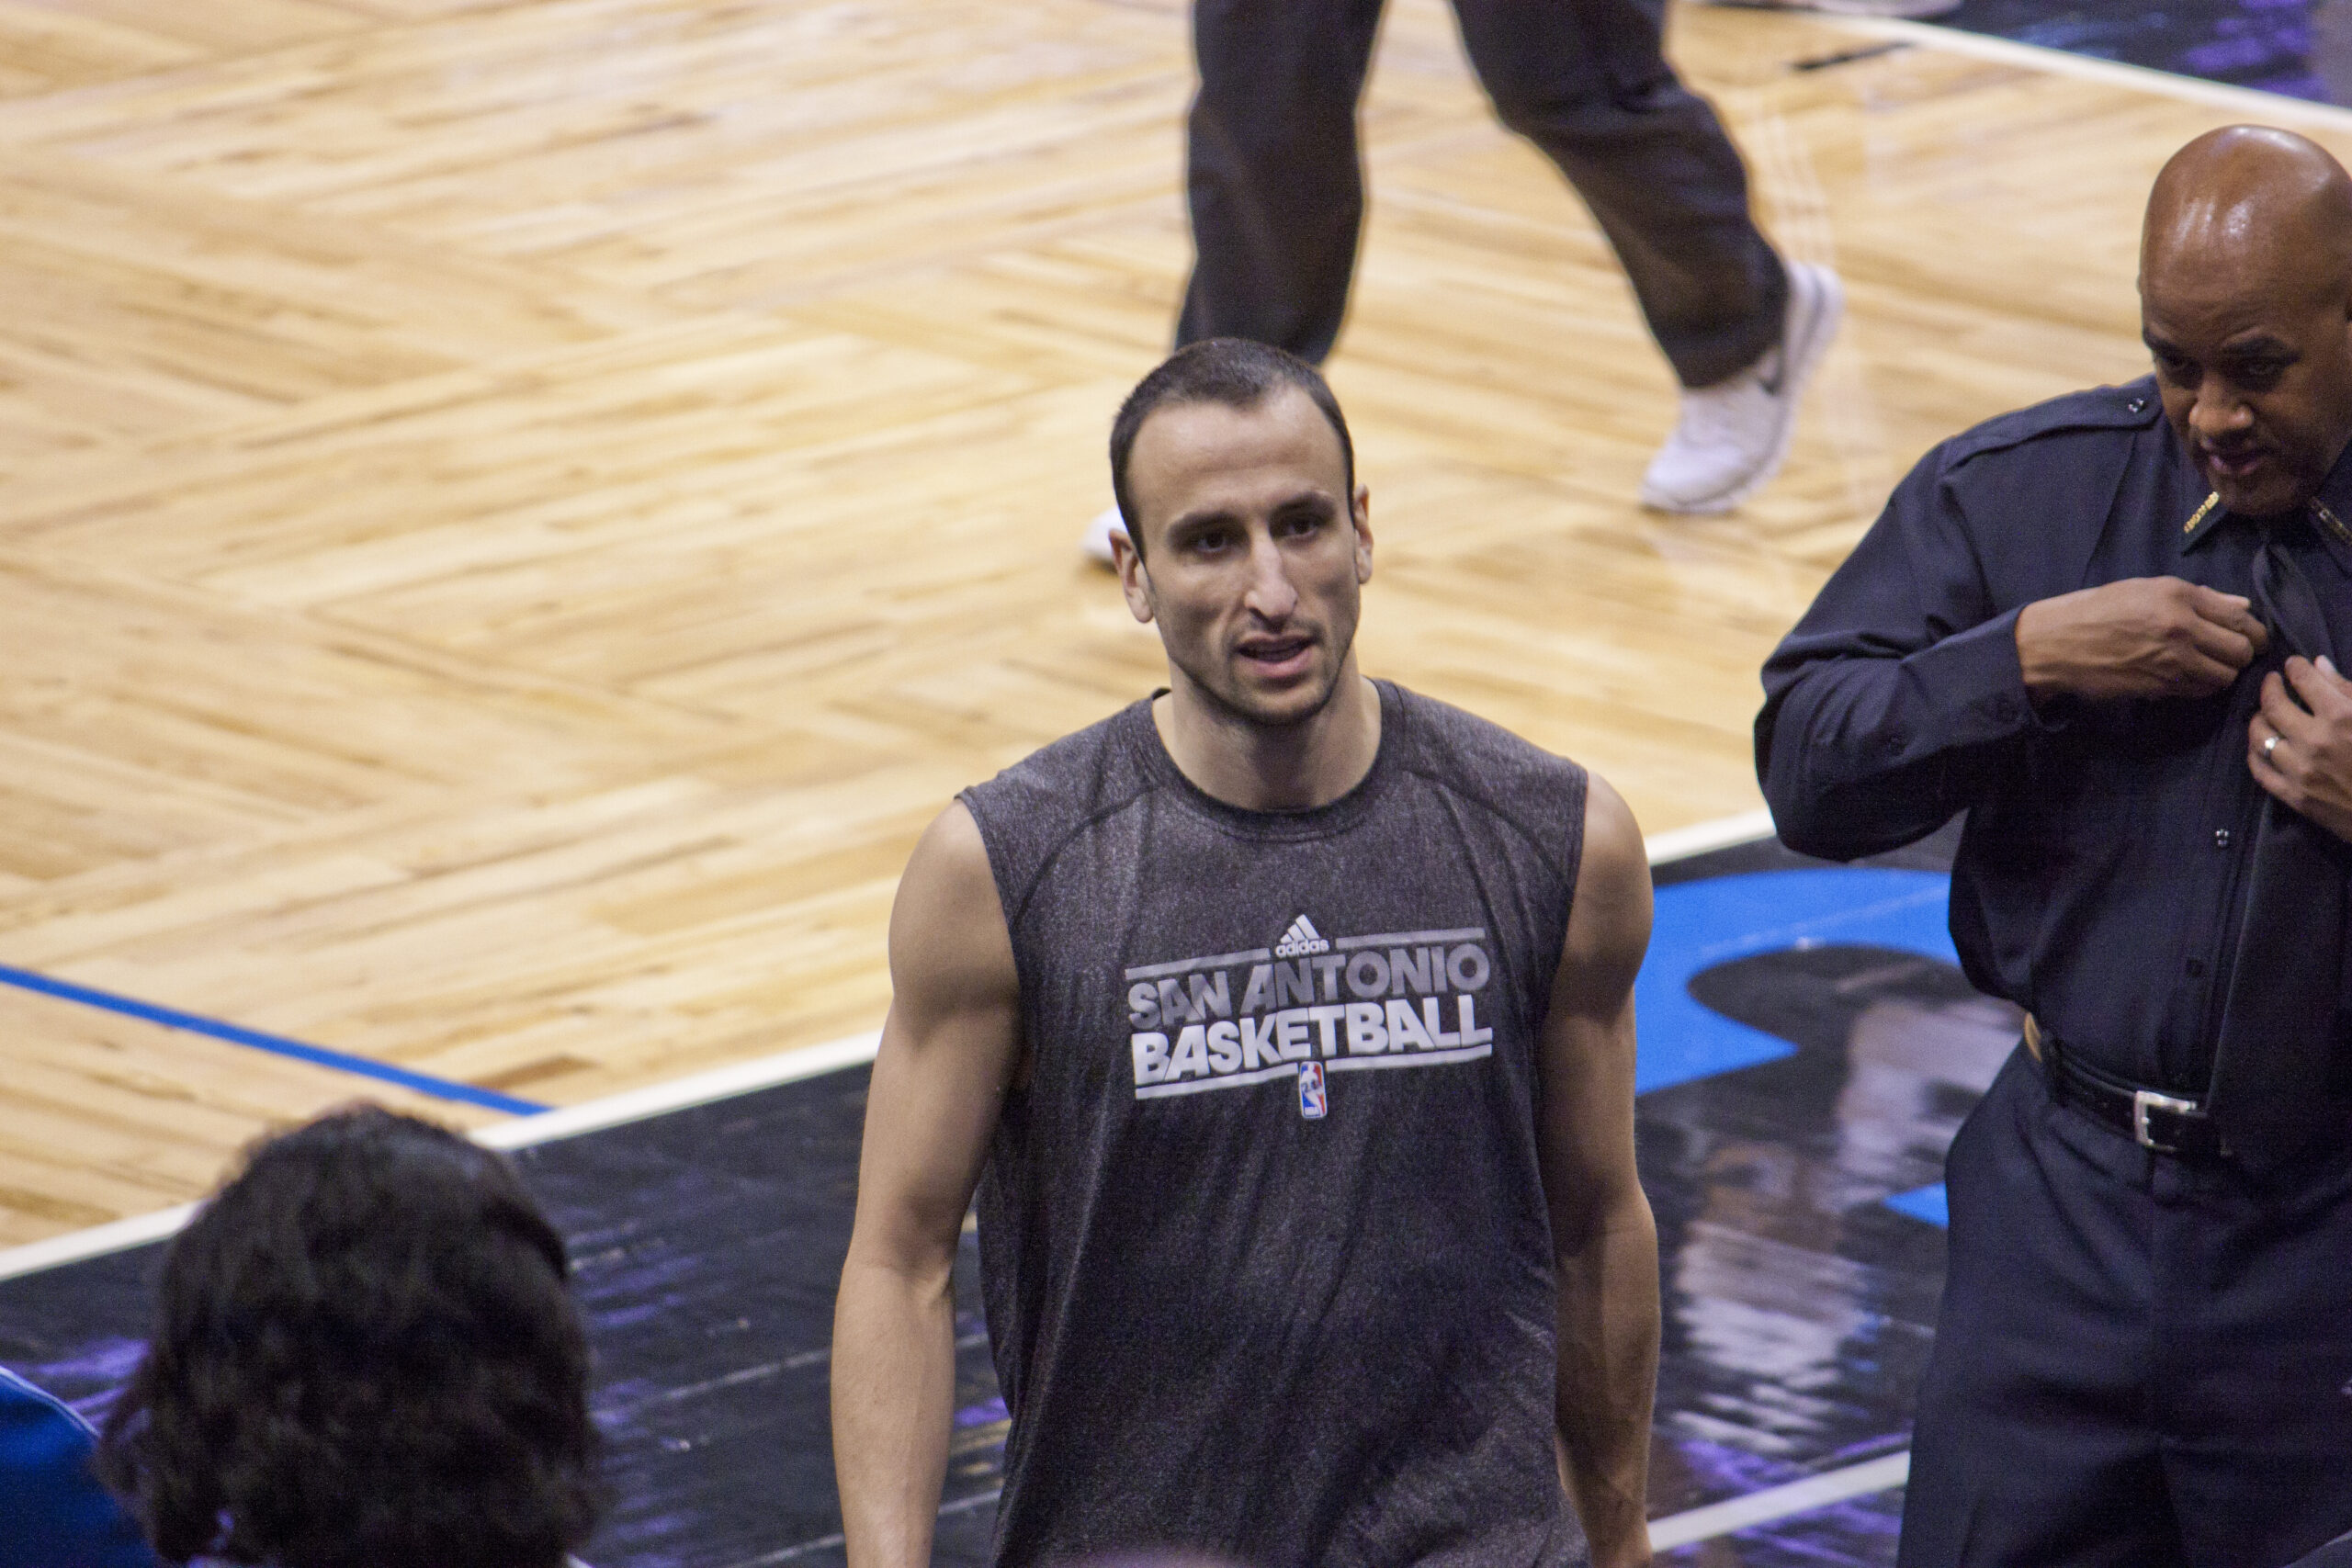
pixel 2331 509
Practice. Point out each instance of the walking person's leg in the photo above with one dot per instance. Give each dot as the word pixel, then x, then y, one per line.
pixel 1274 173
pixel 1588 82
pixel 1273 176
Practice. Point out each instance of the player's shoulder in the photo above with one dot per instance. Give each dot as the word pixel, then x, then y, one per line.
pixel 1026 814
pixel 1446 739
pixel 2114 413
pixel 1539 794
pixel 1615 857
pixel 1073 776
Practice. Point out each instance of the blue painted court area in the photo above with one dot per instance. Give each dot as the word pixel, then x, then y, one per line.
pixel 1701 924
pixel 1924 1203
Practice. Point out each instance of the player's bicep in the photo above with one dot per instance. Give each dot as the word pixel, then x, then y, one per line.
pixel 1588 1046
pixel 950 1045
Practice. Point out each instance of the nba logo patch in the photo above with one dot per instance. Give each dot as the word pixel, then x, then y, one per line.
pixel 1313 1102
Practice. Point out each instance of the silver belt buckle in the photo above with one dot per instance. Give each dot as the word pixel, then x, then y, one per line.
pixel 2146 1100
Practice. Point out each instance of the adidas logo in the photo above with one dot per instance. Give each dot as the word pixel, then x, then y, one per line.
pixel 1302 937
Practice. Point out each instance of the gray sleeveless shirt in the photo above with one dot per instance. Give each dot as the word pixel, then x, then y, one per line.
pixel 1263 1234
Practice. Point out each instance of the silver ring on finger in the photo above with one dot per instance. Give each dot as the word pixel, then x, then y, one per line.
pixel 2269 746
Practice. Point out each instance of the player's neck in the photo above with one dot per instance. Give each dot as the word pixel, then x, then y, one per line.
pixel 1262 767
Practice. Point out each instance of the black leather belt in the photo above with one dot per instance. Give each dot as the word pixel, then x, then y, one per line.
pixel 2168 1123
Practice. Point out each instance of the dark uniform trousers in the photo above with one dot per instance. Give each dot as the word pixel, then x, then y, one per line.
pixel 1276 183
pixel 2141 1361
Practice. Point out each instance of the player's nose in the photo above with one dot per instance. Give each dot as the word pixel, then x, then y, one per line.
pixel 1271 594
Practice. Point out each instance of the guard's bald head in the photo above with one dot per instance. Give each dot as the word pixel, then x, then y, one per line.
pixel 2251 204
pixel 2246 301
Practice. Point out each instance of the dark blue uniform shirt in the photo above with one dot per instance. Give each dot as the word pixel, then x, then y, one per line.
pixel 2101 873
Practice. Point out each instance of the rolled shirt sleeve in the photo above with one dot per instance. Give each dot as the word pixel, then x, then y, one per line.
pixel 1886 706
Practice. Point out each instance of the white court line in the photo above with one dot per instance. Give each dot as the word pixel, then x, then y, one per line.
pixel 676 1094
pixel 1780 1502
pixel 98 1240
pixel 1682 843
pixel 701 1089
pixel 2274 108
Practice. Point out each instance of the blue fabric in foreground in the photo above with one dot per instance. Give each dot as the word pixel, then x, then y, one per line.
pixel 53 1513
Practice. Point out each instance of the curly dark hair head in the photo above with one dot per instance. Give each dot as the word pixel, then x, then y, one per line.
pixel 365 1356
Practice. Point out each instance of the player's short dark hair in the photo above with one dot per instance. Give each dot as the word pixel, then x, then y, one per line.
pixel 1229 370
pixel 365 1356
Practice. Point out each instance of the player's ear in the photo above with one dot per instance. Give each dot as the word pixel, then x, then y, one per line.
pixel 1360 507
pixel 1134 580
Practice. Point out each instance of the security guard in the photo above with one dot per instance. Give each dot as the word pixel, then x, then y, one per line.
pixel 2106 628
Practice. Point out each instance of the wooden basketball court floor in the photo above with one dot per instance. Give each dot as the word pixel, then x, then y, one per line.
pixel 514 513
pixel 515 510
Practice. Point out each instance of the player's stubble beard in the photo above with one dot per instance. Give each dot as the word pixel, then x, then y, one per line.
pixel 1216 678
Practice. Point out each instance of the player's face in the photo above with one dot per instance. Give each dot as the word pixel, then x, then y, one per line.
pixel 2256 369
pixel 1255 555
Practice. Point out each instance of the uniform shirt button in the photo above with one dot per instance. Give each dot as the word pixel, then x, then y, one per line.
pixel 2135 405
pixel 2221 837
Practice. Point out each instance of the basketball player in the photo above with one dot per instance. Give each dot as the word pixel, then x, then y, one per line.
pixel 1284 1023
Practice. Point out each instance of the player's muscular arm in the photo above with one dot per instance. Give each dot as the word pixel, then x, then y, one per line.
pixel 1602 1235
pixel 2144 636
pixel 949 1049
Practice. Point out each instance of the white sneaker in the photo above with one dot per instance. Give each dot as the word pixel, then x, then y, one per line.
pixel 1732 436
pixel 1097 540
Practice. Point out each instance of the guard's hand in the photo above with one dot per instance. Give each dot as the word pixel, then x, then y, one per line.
pixel 2310 714
pixel 2144 636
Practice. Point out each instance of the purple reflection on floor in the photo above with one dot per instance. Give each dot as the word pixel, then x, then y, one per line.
pixel 2300 49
